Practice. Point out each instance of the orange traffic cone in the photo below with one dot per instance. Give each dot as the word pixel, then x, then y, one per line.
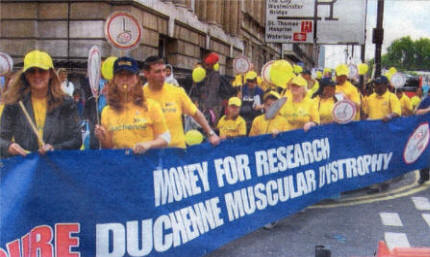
pixel 383 251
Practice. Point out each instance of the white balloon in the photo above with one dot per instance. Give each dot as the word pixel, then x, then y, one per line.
pixel 398 80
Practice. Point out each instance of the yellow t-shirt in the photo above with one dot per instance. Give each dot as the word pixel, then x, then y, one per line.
pixel 415 101
pixel 134 124
pixel 297 114
pixel 40 106
pixel 325 109
pixel 174 102
pixel 351 92
pixel 261 126
pixel 232 128
pixel 377 107
pixel 405 104
pixel 312 90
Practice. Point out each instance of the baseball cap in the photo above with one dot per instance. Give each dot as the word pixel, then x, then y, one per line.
pixel 235 101
pixel 250 75
pixel 381 80
pixel 271 93
pixel 342 70
pixel 37 59
pixel 211 59
pixel 126 63
pixel 299 81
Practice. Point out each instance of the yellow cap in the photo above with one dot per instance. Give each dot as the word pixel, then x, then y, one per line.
pixel 342 70
pixel 327 70
pixel 299 81
pixel 271 93
pixel 251 75
pixel 37 59
pixel 235 101
pixel 297 69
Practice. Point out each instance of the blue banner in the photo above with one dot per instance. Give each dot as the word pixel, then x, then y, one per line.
pixel 172 202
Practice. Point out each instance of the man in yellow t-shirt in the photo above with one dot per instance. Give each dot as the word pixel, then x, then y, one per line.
pixel 405 102
pixel 382 104
pixel 346 89
pixel 232 124
pixel 174 103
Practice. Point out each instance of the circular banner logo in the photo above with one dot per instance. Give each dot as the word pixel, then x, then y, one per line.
pixel 416 144
pixel 6 63
pixel 398 80
pixel 265 71
pixel 241 65
pixel 344 111
pixel 94 62
pixel 123 31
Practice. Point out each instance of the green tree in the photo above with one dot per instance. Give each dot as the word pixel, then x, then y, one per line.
pixel 407 54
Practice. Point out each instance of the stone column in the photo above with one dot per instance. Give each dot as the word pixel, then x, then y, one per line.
pixel 235 20
pixel 220 13
pixel 227 16
pixel 180 3
pixel 211 9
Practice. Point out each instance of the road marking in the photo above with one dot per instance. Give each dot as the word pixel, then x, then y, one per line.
pixel 426 217
pixel 421 203
pixel 396 240
pixel 412 189
pixel 391 219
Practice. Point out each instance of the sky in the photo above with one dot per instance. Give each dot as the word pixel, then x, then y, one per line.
pixel 401 18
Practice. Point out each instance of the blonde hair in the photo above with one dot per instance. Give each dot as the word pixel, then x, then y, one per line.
pixel 20 87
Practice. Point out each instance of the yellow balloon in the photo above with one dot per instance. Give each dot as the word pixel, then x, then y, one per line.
pixel 193 137
pixel 107 67
pixel 392 70
pixel 198 74
pixel 363 68
pixel 297 69
pixel 216 67
pixel 389 75
pixel 319 75
pixel 280 73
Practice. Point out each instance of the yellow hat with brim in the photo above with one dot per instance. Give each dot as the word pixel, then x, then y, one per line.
pixel 342 70
pixel 271 93
pixel 299 81
pixel 250 75
pixel 37 59
pixel 235 101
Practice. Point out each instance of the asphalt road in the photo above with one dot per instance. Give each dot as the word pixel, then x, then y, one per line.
pixel 349 226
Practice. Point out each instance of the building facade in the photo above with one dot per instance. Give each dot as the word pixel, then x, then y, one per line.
pixel 182 31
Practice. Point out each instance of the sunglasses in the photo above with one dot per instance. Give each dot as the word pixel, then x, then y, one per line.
pixel 34 70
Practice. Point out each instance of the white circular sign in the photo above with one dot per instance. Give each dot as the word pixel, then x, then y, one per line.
pixel 6 63
pixel 241 65
pixel 398 80
pixel 353 71
pixel 344 111
pixel 265 71
pixel 94 62
pixel 417 143
pixel 123 30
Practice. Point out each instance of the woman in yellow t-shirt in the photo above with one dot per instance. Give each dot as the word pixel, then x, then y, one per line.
pixel 261 125
pixel 129 120
pixel 53 121
pixel 325 100
pixel 300 111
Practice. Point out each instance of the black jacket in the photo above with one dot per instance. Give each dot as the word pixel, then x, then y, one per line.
pixel 61 130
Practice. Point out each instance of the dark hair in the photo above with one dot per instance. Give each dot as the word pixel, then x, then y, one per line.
pixel 151 60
